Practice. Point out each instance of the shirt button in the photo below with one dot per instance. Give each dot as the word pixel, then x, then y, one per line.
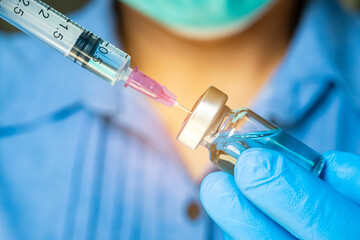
pixel 193 210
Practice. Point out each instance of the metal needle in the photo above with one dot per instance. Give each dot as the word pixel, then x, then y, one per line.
pixel 183 108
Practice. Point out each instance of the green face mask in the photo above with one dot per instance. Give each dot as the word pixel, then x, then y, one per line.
pixel 202 18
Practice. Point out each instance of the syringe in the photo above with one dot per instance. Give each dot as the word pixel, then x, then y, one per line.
pixel 81 46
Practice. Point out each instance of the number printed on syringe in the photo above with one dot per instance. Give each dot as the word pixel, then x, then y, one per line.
pixel 36 18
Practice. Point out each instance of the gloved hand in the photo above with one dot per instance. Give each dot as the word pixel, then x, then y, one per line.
pixel 270 197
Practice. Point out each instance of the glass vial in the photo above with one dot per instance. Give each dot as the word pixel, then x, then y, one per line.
pixel 226 133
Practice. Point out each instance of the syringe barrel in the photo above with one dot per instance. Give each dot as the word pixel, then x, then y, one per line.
pixel 69 38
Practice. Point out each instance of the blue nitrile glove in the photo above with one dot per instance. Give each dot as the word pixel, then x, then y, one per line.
pixel 270 197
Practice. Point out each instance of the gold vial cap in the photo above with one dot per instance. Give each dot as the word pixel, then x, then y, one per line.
pixel 202 118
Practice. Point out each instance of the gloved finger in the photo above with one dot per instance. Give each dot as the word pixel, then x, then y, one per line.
pixel 226 236
pixel 342 172
pixel 233 213
pixel 296 199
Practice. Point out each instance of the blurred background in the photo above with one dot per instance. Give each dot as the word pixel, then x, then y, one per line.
pixel 153 194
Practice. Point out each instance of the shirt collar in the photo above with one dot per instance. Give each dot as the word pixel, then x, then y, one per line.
pixel 136 115
pixel 52 91
pixel 308 70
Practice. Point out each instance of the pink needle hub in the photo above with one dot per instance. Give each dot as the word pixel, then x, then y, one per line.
pixel 146 85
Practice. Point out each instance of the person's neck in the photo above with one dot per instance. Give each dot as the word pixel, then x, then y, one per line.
pixel 238 65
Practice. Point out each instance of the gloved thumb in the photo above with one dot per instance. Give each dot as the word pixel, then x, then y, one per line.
pixel 296 199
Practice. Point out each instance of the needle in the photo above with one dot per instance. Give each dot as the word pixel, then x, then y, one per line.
pixel 183 108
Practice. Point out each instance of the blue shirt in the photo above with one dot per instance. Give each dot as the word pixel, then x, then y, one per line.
pixel 80 159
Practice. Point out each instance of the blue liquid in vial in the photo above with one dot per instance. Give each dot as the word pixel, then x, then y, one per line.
pixel 226 149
